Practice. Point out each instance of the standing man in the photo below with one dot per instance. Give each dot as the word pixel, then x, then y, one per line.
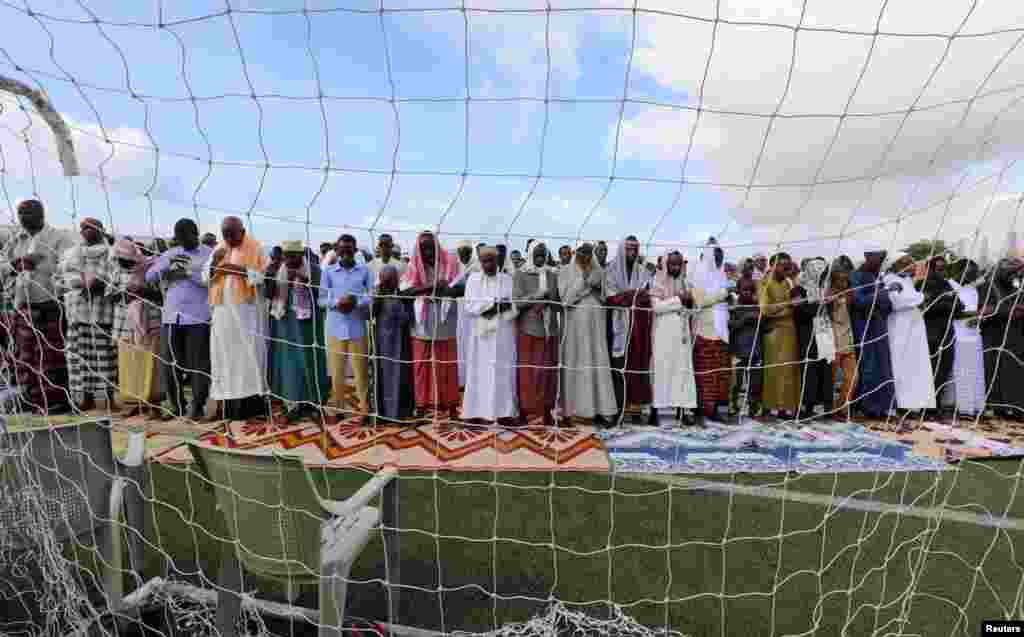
pixel 30 261
pixel 845 365
pixel 385 257
pixel 675 387
pixel 760 263
pixel 941 308
pixel 185 329
pixel 565 256
pixel 781 388
pixel 392 317
pixel 276 258
pixel 238 344
pixel 517 260
pixel 491 358
pixel 467 257
pixel 870 313
pixel 433 279
pixel 968 388
pixel 712 359
pixel 137 324
pixel 298 365
pixel 345 292
pixel 535 290
pixel 814 336
pixel 601 254
pixel 745 344
pixel 1002 333
pixel 908 339
pixel 586 387
pixel 627 288
pixel 87 270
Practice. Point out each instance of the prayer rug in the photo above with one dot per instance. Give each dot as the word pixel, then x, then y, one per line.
pixel 445 446
pixel 755 447
pixel 954 443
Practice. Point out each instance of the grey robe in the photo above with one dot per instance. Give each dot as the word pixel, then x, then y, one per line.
pixel 587 389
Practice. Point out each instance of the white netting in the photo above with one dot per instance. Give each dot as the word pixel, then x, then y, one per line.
pixel 637 128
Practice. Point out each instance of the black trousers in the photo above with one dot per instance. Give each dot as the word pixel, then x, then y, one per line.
pixel 185 352
pixel 941 354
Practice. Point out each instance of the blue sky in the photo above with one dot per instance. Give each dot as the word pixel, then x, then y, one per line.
pixel 939 178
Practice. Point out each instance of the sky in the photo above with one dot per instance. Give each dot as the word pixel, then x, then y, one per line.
pixel 812 127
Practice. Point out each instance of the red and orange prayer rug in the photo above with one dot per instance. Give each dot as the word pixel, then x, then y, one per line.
pixel 440 446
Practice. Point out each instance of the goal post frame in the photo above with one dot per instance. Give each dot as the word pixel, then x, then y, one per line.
pixel 53 119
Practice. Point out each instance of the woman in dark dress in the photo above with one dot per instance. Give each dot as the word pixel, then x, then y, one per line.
pixel 393 355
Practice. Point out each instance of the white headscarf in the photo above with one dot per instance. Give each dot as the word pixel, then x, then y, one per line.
pixel 712 280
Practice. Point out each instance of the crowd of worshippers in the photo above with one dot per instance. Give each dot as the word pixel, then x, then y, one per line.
pixel 476 335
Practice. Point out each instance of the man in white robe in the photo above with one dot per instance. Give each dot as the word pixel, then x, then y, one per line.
pixel 491 347
pixel 675 386
pixel 908 338
pixel 238 323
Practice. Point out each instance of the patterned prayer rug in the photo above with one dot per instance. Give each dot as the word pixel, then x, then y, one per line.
pixel 953 444
pixel 451 446
pixel 755 447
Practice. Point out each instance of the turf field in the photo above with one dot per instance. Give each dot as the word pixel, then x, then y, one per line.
pixel 703 562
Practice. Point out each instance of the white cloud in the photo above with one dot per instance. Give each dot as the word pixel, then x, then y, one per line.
pixel 868 169
pixel 123 156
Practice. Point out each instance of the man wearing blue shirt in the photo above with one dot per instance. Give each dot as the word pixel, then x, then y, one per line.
pixel 345 293
pixel 185 329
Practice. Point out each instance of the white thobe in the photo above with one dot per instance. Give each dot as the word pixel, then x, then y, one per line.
pixel 967 391
pixel 672 361
pixel 238 346
pixel 908 346
pixel 491 350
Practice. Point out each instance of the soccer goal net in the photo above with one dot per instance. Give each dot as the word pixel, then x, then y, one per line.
pixel 510 317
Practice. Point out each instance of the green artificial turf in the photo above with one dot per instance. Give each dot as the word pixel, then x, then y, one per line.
pixel 703 562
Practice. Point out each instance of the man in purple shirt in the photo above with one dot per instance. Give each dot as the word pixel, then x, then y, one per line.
pixel 185 333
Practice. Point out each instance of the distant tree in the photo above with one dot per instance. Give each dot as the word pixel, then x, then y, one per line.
pixel 927 248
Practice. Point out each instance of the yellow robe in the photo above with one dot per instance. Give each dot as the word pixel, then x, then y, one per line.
pixel 781 389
